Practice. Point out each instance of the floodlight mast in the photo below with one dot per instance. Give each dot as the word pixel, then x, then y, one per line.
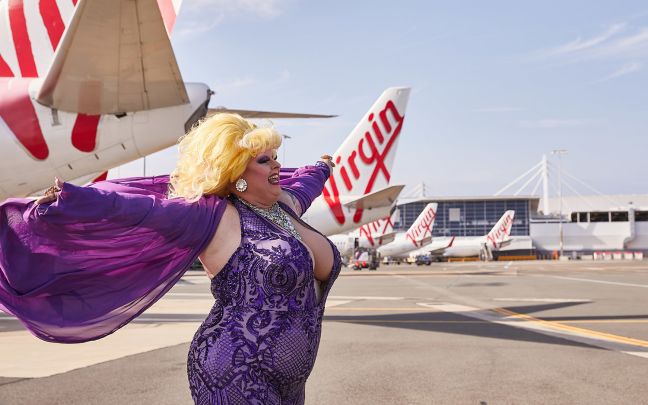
pixel 559 153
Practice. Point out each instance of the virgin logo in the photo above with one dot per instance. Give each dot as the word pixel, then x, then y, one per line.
pixel 370 152
pixel 500 234
pixel 380 227
pixel 420 230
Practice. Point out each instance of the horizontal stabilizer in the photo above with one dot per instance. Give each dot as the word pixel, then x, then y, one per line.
pixel 381 198
pixel 114 57
pixel 264 114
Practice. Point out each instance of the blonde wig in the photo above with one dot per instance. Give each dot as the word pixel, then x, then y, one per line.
pixel 215 153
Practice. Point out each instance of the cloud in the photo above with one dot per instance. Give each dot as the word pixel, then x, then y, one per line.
pixel 553 123
pixel 580 45
pixel 623 70
pixel 618 41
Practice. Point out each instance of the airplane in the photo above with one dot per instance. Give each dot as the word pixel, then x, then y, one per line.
pixel 368 236
pixel 418 235
pixel 497 238
pixel 88 85
pixel 358 190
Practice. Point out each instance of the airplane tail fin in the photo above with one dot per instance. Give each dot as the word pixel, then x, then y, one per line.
pixel 501 232
pixel 365 159
pixel 32 30
pixel 422 227
pixel 169 10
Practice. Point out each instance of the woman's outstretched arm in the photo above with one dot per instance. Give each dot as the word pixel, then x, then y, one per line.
pixel 306 184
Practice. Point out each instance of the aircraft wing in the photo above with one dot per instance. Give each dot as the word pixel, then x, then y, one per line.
pixel 264 114
pixel 387 238
pixel 441 250
pixel 114 57
pixel 380 198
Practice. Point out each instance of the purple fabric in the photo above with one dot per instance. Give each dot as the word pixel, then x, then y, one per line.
pixel 82 267
pixel 259 342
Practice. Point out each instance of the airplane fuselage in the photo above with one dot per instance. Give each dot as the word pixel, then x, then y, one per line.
pixel 38 143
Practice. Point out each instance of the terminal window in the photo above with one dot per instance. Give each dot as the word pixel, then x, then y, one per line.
pixel 620 216
pixel 598 216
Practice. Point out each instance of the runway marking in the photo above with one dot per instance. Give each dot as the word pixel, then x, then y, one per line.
pixel 543 299
pixel 400 321
pixel 378 309
pixel 605 321
pixel 640 354
pixel 509 318
pixel 589 280
pixel 335 303
pixel 362 297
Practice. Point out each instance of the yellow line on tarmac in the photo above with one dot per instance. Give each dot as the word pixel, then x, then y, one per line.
pixel 606 321
pixel 339 308
pixel 397 321
pixel 582 331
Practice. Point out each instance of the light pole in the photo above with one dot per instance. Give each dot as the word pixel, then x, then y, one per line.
pixel 559 153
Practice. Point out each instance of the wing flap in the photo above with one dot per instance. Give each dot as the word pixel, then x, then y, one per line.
pixel 114 57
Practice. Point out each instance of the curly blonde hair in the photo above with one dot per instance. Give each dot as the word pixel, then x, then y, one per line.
pixel 214 154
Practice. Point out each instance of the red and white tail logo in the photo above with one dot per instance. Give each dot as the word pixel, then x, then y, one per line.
pixel 365 159
pixel 422 227
pixel 501 232
pixel 30 32
pixel 374 231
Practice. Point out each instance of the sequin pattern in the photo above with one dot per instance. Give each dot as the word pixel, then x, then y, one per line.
pixel 259 342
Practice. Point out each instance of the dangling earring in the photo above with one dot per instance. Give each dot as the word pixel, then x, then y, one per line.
pixel 241 185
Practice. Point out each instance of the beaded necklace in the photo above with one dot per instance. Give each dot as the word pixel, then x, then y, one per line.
pixel 275 215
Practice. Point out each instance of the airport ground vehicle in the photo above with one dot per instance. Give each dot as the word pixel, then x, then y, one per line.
pixel 366 260
pixel 423 260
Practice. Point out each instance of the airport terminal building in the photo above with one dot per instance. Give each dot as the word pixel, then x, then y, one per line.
pixel 590 224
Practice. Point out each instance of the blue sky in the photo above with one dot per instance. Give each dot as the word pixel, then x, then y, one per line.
pixel 495 84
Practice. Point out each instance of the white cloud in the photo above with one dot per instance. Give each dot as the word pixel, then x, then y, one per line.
pixel 618 42
pixel 579 44
pixel 623 70
pixel 552 123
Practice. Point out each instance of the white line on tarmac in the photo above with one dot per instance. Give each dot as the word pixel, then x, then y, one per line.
pixel 362 297
pixel 640 354
pixel 335 303
pixel 543 299
pixel 589 280
pixel 554 329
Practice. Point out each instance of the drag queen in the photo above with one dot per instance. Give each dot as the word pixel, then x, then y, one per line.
pixel 81 262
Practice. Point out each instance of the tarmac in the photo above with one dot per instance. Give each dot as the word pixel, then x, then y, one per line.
pixel 567 332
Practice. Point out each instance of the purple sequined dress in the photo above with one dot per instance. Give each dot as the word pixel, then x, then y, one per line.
pixel 259 342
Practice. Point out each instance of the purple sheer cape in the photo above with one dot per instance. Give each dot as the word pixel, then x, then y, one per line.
pixel 83 266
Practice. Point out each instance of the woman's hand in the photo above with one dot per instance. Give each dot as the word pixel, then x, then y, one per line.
pixel 51 194
pixel 328 160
